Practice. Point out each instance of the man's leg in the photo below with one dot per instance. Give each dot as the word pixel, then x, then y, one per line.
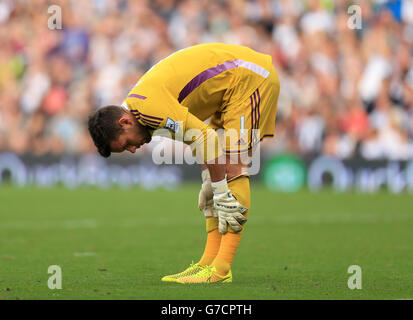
pixel 214 238
pixel 220 268
pixel 258 112
pixel 240 188
pixel 213 242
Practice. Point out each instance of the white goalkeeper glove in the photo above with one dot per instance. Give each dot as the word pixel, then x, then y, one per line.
pixel 205 199
pixel 230 211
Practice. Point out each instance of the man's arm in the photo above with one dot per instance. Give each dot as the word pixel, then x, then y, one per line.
pixel 208 148
pixel 217 171
pixel 231 169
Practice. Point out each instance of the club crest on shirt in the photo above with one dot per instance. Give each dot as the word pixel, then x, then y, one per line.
pixel 172 125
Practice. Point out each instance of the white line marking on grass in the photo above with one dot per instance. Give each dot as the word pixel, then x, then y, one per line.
pixel 160 222
pixel 310 218
pixel 48 224
pixel 314 218
pixel 284 219
pixel 84 254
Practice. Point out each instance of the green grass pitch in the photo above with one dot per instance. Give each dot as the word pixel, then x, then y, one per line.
pixel 117 244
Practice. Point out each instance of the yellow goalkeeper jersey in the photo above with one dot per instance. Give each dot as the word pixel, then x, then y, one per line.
pixel 197 81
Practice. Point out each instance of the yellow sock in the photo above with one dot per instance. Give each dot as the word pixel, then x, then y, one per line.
pixel 229 245
pixel 213 242
pixel 240 188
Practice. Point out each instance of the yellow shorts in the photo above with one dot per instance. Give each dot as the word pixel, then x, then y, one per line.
pixel 247 120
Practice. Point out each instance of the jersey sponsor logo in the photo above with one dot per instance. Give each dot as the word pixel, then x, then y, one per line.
pixel 241 142
pixel 172 125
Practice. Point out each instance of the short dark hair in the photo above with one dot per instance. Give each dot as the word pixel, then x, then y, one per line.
pixel 104 127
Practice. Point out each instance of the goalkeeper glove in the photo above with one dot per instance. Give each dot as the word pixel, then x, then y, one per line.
pixel 205 199
pixel 230 211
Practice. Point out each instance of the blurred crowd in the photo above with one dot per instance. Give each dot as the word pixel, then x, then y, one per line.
pixel 345 91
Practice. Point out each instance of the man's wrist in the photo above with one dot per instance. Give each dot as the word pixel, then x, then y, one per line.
pixel 217 170
pixel 220 187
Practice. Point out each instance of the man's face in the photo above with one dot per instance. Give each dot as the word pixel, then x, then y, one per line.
pixel 133 136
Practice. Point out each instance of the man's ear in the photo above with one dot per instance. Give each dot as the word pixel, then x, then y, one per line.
pixel 124 120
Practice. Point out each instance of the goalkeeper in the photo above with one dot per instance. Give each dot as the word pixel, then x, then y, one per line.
pixel 233 87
